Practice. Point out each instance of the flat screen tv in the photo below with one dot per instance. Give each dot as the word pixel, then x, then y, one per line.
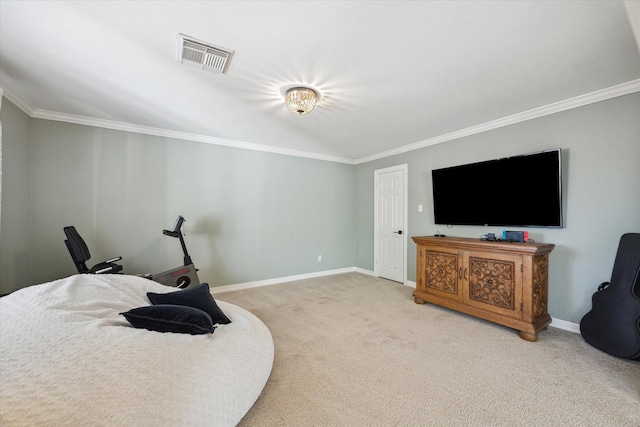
pixel 518 191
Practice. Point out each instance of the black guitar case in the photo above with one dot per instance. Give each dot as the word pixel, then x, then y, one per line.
pixel 613 324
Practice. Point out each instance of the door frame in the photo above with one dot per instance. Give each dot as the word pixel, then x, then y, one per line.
pixel 404 168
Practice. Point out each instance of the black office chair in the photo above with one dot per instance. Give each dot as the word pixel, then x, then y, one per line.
pixel 80 255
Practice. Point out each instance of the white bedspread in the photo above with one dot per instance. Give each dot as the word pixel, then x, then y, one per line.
pixel 68 358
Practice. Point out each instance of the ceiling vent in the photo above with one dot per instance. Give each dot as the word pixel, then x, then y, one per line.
pixel 202 55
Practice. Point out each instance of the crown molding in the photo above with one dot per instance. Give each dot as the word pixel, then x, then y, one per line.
pixel 18 100
pixel 578 101
pixel 166 133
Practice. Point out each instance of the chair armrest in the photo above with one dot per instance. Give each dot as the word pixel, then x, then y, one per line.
pixel 118 258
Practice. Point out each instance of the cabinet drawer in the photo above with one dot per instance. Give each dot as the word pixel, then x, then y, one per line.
pixel 442 273
pixel 493 282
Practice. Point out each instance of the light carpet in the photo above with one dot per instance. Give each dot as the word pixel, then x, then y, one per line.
pixel 355 350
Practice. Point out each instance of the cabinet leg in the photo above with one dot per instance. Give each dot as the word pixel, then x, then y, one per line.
pixel 418 300
pixel 533 337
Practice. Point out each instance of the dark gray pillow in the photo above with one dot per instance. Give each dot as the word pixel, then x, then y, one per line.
pixel 197 297
pixel 171 318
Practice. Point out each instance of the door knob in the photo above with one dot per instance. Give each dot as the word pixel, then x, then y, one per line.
pixel 397 232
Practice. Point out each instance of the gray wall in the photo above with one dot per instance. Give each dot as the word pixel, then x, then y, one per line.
pixel 254 216
pixel 601 191
pixel 15 270
pixel 250 215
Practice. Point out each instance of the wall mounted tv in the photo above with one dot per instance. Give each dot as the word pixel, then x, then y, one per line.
pixel 518 191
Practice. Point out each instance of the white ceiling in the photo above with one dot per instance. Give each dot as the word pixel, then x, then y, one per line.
pixel 392 75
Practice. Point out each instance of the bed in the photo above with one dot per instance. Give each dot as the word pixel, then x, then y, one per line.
pixel 68 357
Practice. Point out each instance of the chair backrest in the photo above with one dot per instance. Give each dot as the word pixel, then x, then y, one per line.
pixel 77 248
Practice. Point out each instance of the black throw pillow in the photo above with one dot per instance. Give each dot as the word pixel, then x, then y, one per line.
pixel 171 318
pixel 197 297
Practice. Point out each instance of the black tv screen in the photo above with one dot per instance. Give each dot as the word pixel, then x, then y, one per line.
pixel 519 191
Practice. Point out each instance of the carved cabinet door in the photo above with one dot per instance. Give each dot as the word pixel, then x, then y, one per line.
pixel 442 272
pixel 493 282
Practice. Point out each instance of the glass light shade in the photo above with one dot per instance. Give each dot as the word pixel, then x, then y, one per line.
pixel 300 100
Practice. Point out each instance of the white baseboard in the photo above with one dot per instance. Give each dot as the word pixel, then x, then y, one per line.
pixel 363 271
pixel 410 284
pixel 275 281
pixel 555 323
pixel 564 325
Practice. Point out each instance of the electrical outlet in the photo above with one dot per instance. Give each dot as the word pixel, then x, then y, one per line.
pixel 319 258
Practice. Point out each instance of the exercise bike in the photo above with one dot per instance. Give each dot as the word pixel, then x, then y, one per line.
pixel 181 277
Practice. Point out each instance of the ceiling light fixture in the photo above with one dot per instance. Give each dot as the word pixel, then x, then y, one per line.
pixel 301 100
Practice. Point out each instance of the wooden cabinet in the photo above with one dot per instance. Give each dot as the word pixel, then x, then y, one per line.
pixel 502 282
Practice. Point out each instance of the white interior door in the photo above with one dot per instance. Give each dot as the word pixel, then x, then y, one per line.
pixel 390 217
